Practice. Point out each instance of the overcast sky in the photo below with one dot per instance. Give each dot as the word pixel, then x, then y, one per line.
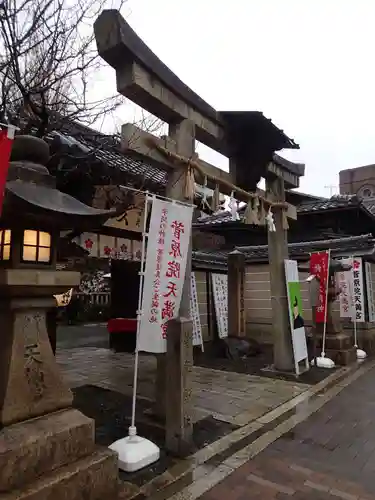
pixel 309 65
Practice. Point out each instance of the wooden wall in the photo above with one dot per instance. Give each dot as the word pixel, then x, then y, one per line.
pixel 258 303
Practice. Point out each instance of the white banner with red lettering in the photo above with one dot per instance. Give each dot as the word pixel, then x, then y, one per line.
pixel 370 293
pixel 355 291
pixel 164 275
pixel 346 299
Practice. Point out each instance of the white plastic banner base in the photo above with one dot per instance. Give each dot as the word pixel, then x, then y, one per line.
pixel 135 453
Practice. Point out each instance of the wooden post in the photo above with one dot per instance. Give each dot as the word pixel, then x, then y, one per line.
pixel 277 252
pixel 236 279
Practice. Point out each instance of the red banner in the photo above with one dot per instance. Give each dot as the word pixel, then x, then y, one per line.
pixel 6 141
pixel 319 263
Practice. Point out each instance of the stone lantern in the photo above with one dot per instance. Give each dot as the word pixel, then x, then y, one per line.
pixel 47 449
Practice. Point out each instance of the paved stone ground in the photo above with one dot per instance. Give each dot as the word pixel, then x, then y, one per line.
pixel 230 397
pixel 331 455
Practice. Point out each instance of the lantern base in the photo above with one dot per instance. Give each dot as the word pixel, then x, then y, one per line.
pixel 59 460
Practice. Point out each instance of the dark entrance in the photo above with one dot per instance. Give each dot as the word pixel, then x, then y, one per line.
pixel 122 326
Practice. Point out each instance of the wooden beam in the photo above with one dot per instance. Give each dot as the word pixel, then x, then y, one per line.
pixel 291 180
pixel 137 142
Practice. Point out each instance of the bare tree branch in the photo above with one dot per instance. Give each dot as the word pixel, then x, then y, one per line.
pixel 48 58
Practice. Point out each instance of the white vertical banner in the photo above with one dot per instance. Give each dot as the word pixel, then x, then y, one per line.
pixel 358 290
pixel 297 323
pixel 164 275
pixel 370 292
pixel 220 293
pixel 346 299
pixel 357 287
pixel 194 312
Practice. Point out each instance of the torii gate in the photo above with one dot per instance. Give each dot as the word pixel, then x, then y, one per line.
pixel 248 139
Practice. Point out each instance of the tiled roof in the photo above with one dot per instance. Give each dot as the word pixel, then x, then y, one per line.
pixel 106 149
pixel 370 206
pixel 306 206
pixel 333 203
pixel 220 218
pixel 352 245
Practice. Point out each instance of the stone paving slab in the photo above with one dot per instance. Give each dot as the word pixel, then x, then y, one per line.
pixel 231 397
pixel 278 477
pixel 330 455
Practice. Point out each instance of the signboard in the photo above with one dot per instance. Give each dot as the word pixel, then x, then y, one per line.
pixel 319 264
pixel 297 323
pixel 164 275
pixel 194 312
pixel 370 292
pixel 108 197
pixel 220 294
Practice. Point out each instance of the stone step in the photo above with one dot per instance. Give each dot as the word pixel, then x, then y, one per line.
pixel 343 357
pixel 337 342
pixel 91 478
pixel 38 446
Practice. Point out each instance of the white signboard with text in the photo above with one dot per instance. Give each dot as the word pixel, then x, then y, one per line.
pixel 194 312
pixel 370 292
pixel 220 294
pixel 167 248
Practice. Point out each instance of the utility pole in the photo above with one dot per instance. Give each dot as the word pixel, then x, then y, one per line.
pixel 332 189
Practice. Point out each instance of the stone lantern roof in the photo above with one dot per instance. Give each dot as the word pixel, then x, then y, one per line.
pixel 31 191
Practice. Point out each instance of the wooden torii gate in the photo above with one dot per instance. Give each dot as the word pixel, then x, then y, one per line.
pixel 248 139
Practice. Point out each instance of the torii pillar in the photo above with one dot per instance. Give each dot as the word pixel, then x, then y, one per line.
pixel 277 253
pixel 179 359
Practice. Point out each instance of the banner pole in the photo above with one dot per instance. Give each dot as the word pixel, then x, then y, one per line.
pixel 353 304
pixel 326 310
pixel 135 452
pixel 132 428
